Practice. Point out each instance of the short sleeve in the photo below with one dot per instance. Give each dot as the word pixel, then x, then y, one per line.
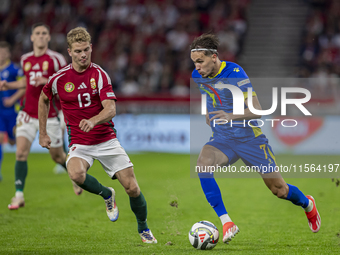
pixel 104 86
pixel 50 89
pixel 19 73
pixel 239 78
pixel 62 61
pixel 47 89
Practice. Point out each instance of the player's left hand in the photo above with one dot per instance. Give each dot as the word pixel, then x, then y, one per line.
pixel 8 102
pixel 39 81
pixel 86 125
pixel 221 115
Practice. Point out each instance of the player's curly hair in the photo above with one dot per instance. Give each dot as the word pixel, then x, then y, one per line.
pixel 78 34
pixel 206 41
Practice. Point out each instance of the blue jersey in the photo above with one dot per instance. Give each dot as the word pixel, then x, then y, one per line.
pixel 10 73
pixel 237 141
pixel 222 99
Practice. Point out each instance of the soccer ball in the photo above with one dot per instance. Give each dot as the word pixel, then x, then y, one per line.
pixel 203 235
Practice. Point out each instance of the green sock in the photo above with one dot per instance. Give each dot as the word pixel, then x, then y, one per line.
pixel 92 185
pixel 138 206
pixel 20 175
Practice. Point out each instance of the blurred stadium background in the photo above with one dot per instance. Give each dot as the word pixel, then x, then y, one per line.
pixel 144 47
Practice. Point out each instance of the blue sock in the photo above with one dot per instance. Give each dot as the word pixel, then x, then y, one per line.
pixel 212 192
pixel 296 196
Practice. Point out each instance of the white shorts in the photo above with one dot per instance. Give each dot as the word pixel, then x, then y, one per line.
pixel 28 127
pixel 61 119
pixel 110 154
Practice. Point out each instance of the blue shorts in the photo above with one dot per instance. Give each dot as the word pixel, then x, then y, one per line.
pixel 256 152
pixel 7 123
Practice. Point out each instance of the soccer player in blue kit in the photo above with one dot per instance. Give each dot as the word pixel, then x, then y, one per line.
pixel 8 99
pixel 238 141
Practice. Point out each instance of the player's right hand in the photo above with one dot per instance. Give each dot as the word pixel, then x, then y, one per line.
pixel 39 81
pixel 86 125
pixel 45 141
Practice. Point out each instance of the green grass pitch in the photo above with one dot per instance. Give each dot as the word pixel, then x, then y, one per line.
pixel 56 221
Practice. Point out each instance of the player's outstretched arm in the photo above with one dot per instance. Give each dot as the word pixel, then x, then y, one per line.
pixel 19 84
pixel 248 115
pixel 44 107
pixel 39 81
pixel 10 101
pixel 105 115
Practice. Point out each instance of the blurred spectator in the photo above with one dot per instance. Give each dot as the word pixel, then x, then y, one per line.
pixel 320 51
pixel 142 44
pixel 180 89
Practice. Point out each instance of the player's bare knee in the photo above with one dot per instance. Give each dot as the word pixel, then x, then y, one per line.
pixel 133 190
pixel 77 176
pixel 21 155
pixel 283 192
pixel 203 161
pixel 279 191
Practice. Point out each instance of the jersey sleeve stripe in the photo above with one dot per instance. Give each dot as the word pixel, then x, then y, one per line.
pixel 245 94
pixel 59 57
pixel 100 81
pixel 107 76
pixel 56 64
pixel 24 57
pixel 59 72
pixel 54 84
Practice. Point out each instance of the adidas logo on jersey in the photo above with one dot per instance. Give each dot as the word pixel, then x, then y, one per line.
pixel 82 86
pixel 36 67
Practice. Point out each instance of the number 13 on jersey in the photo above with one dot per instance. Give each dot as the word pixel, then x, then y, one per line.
pixel 86 98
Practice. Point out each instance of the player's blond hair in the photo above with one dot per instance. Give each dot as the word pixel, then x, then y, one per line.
pixel 78 34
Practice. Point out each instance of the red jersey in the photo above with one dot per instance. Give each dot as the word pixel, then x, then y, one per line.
pixel 80 96
pixel 45 65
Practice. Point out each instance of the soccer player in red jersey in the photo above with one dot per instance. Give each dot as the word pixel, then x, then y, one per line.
pixel 37 65
pixel 88 104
